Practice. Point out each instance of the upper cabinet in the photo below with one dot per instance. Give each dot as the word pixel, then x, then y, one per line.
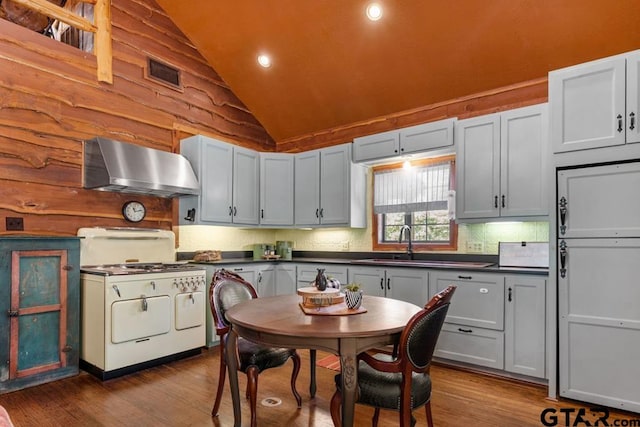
pixel 276 189
pixel 414 139
pixel 228 177
pixel 595 104
pixel 329 189
pixel 502 164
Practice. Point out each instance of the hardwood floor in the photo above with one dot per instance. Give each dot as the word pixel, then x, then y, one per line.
pixel 181 394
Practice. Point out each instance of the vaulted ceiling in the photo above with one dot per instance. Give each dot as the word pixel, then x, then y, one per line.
pixel 332 67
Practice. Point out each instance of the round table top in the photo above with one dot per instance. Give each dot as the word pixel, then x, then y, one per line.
pixel 282 315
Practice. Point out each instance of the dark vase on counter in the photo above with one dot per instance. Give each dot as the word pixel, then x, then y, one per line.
pixel 321 280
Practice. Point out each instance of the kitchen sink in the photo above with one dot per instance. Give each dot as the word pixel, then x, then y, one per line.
pixel 423 263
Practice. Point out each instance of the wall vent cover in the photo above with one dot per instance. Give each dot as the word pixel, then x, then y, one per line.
pixel 164 73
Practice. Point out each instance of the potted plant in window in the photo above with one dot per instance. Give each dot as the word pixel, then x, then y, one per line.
pixel 353 295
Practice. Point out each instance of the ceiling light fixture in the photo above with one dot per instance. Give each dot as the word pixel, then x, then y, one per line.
pixel 374 11
pixel 264 61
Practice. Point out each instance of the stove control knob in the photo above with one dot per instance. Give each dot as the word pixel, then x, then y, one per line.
pixel 175 283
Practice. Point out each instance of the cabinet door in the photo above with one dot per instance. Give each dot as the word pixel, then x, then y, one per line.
pixel 378 146
pixel 42 312
pixel 265 282
pixel 335 185
pixel 587 105
pixel 633 97
pixel 524 340
pixel 408 284
pixel 425 137
pixel 599 201
pixel 276 189
pixel 477 301
pixel 599 322
pixel 307 188
pixel 478 168
pixel 306 273
pixel 372 280
pixel 285 281
pixel 246 166
pixel 523 162
pixel 216 181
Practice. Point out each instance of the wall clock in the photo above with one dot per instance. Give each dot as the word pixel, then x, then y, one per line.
pixel 134 211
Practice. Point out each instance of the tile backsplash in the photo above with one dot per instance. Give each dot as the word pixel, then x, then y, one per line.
pixel 482 238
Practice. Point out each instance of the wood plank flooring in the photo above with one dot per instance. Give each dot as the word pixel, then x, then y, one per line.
pixel 181 394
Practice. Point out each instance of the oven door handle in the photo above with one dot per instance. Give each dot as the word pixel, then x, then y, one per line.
pixel 145 304
pixel 115 288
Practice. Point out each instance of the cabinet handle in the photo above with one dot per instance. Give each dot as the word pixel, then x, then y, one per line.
pixel 395 151
pixel 230 210
pixel 402 149
pixel 321 212
pixel 509 297
pixel 632 121
pixel 12 313
pixel 465 277
pixel 466 331
pixel 317 213
pixel 389 283
pixel 261 213
pixel 382 283
pixel 235 211
pixel 238 269
pixel 563 214
pixel 495 202
pixel 563 259
pixel 619 123
pixel 503 204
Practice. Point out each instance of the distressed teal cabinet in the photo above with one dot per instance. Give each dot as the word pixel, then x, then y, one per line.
pixel 39 310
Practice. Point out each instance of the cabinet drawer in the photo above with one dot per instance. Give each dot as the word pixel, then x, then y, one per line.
pixel 478 300
pixel 478 346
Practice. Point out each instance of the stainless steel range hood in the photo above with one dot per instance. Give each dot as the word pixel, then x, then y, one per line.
pixel 127 168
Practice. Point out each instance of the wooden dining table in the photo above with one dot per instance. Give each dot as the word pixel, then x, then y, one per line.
pixel 280 321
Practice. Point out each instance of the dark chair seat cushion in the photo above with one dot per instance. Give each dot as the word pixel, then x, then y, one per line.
pixel 382 389
pixel 252 354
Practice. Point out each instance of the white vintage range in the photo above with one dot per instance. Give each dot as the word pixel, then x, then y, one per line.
pixel 139 307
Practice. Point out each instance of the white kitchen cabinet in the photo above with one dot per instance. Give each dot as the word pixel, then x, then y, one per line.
pixel 502 165
pixel 474 328
pixel 409 140
pixel 276 189
pixel 228 177
pixel 405 284
pixel 599 321
pixel 525 325
pixel 329 189
pixel 595 104
pixel 285 279
pixel 496 321
pixel 307 272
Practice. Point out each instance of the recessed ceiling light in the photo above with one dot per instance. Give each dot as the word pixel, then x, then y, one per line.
pixel 374 11
pixel 264 61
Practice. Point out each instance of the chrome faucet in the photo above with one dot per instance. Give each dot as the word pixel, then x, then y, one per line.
pixel 406 229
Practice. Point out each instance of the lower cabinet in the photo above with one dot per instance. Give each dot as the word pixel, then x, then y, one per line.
pixel 40 294
pixel 405 284
pixel 525 326
pixel 306 273
pixel 495 321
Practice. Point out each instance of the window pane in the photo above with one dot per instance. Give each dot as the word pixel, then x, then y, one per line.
pixel 392 233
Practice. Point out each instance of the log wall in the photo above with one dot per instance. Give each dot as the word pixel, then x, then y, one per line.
pixel 50 101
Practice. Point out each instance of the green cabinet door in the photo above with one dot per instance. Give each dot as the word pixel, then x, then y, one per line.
pixel 39 320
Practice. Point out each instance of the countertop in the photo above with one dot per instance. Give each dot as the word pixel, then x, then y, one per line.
pixel 493 268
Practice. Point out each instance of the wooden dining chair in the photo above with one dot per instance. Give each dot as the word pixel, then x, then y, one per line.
pixel 401 383
pixel 228 289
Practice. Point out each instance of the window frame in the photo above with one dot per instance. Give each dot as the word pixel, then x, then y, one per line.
pixel 377 245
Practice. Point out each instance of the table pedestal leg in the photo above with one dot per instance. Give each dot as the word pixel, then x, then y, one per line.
pixel 312 366
pixel 349 370
pixel 232 365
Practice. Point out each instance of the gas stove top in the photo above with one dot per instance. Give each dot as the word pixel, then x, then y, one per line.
pixel 138 268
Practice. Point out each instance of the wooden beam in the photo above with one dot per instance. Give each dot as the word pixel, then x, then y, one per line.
pixel 102 29
pixel 56 12
pixel 103 46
